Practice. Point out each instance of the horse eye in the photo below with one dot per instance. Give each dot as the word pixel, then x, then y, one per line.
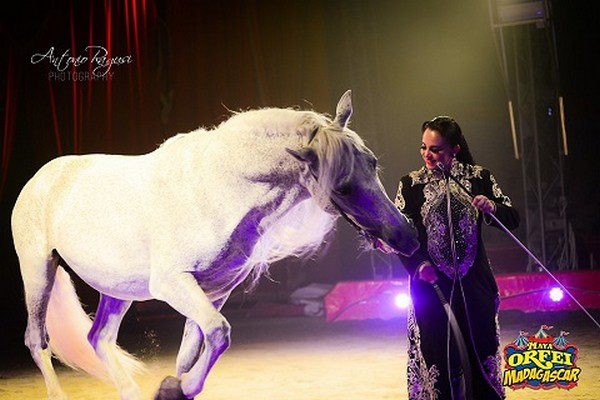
pixel 344 189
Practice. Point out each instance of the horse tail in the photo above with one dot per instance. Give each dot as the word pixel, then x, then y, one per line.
pixel 68 326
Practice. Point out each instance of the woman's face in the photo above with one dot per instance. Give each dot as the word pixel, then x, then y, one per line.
pixel 434 149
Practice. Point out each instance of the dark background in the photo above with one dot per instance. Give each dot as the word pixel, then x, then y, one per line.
pixel 406 61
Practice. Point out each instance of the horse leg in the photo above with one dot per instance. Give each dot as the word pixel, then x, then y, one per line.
pixel 103 336
pixel 191 343
pixel 182 292
pixel 38 279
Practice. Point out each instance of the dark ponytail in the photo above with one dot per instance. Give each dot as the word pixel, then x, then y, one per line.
pixel 449 129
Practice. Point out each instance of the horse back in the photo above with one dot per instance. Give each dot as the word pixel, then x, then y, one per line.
pixel 75 196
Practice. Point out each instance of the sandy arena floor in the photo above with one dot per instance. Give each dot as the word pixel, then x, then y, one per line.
pixel 302 358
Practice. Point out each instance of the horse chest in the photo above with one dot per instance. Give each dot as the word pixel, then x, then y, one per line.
pixel 226 271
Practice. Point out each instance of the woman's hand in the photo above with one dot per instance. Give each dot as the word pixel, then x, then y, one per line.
pixel 427 273
pixel 484 204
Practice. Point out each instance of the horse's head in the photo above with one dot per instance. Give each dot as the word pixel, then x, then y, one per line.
pixel 346 172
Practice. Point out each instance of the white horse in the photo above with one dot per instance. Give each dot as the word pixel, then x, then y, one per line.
pixel 186 224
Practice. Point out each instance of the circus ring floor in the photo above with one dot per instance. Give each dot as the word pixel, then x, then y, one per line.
pixel 301 358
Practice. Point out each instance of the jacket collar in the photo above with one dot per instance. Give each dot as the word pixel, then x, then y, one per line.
pixel 457 169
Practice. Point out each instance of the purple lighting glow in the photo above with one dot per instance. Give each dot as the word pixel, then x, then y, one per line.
pixel 402 300
pixel 556 294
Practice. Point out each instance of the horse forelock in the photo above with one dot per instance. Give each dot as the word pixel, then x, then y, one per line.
pixel 335 152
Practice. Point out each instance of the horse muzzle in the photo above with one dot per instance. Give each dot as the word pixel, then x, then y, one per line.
pixel 402 240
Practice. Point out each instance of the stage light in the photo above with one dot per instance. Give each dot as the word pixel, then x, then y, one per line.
pixel 402 300
pixel 556 294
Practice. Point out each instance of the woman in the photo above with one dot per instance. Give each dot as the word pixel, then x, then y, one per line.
pixel 462 271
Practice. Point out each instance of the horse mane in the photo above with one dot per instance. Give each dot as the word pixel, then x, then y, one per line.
pixel 301 232
pixel 332 144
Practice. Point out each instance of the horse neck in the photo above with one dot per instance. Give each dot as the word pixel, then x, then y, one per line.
pixel 253 170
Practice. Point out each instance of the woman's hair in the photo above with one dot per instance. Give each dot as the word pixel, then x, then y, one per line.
pixel 449 129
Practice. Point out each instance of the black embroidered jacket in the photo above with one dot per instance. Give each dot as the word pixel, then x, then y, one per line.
pixel 422 197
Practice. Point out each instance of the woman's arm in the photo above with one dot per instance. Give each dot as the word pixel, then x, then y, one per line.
pixel 504 210
pixel 406 205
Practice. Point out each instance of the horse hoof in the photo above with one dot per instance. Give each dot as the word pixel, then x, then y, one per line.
pixel 170 389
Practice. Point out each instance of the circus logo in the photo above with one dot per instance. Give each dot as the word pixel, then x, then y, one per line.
pixel 541 361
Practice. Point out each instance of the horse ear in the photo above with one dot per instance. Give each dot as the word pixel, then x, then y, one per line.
pixel 343 111
pixel 305 155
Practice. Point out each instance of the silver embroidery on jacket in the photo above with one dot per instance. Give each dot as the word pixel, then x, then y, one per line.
pixel 464 215
pixel 498 192
pixel 491 368
pixel 400 203
pixel 492 364
pixel 421 380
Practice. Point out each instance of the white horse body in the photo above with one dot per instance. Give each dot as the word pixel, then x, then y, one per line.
pixel 190 195
pixel 75 192
pixel 186 224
